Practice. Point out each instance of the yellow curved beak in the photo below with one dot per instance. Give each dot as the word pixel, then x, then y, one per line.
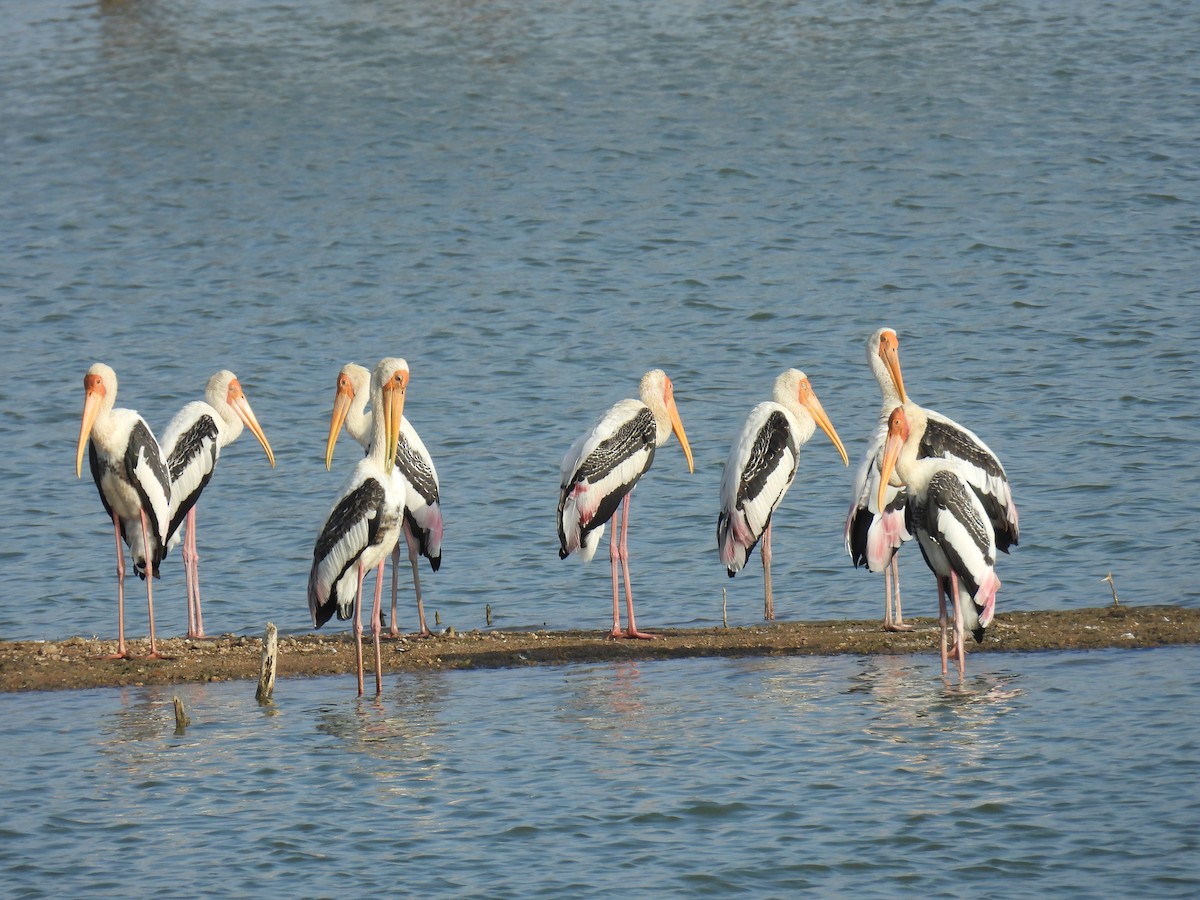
pixel 393 412
pixel 241 406
pixel 887 465
pixel 341 407
pixel 94 388
pixel 813 405
pixel 677 427
pixel 889 352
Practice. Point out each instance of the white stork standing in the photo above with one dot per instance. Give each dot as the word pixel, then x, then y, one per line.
pixel 364 524
pixel 760 468
pixel 875 539
pixel 130 472
pixel 874 534
pixel 422 527
pixel 952 527
pixel 192 442
pixel 600 471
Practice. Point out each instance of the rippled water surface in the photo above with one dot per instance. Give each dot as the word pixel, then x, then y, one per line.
pixel 534 203
pixel 1052 773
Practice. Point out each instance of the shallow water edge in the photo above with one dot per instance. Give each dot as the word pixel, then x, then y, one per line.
pixel 79 662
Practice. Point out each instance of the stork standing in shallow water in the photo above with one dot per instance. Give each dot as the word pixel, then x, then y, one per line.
pixel 601 469
pixel 760 468
pixel 192 442
pixel 414 468
pixel 951 526
pixel 364 524
pixel 130 472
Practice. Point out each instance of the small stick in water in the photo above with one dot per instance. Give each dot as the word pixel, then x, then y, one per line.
pixel 1112 584
pixel 181 717
pixel 266 674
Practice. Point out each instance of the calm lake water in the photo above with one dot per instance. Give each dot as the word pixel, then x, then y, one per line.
pixel 534 203
pixel 1043 774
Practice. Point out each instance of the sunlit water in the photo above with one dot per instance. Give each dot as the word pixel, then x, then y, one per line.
pixel 1066 774
pixel 534 203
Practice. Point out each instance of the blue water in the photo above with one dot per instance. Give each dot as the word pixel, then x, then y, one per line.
pixel 534 202
pixel 1060 774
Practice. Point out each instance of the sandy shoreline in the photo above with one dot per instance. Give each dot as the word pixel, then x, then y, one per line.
pixel 78 662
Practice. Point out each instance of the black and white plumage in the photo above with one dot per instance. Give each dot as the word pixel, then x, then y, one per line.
pixel 192 443
pixel 422 527
pixel 760 469
pixel 951 524
pixel 600 470
pixel 875 534
pixel 364 524
pixel 873 538
pixel 130 472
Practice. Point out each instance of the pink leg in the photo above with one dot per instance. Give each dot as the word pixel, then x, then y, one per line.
pixel 376 628
pixel 191 571
pixel 764 552
pixel 413 560
pixel 632 631
pixel 892 576
pixel 122 650
pixel 149 581
pixel 614 556
pixel 394 628
pixel 357 627
pixel 942 619
pixel 959 633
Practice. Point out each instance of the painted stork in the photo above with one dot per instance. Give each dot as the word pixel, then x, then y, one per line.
pixel 952 527
pixel 600 471
pixel 364 524
pixel 875 534
pixel 130 472
pixel 760 468
pixel 873 538
pixel 192 442
pixel 422 526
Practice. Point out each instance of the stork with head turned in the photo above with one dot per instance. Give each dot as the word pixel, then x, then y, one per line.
pixel 418 478
pixel 130 472
pixel 874 533
pixel 192 442
pixel 760 468
pixel 601 469
pixel 364 524
pixel 952 528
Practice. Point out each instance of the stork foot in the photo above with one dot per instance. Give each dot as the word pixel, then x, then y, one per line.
pixel 897 626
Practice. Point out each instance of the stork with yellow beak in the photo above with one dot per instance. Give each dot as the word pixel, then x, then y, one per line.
pixel 364 524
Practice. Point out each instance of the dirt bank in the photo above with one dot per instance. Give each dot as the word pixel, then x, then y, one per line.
pixel 79 663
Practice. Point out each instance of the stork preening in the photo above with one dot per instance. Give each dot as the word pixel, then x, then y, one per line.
pixel 422 527
pixel 875 527
pixel 600 471
pixel 364 524
pixel 760 469
pixel 130 472
pixel 952 528
pixel 192 443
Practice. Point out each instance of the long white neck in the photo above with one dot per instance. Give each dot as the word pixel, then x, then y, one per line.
pixel 914 472
pixel 652 395
pixel 359 422
pixel 377 449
